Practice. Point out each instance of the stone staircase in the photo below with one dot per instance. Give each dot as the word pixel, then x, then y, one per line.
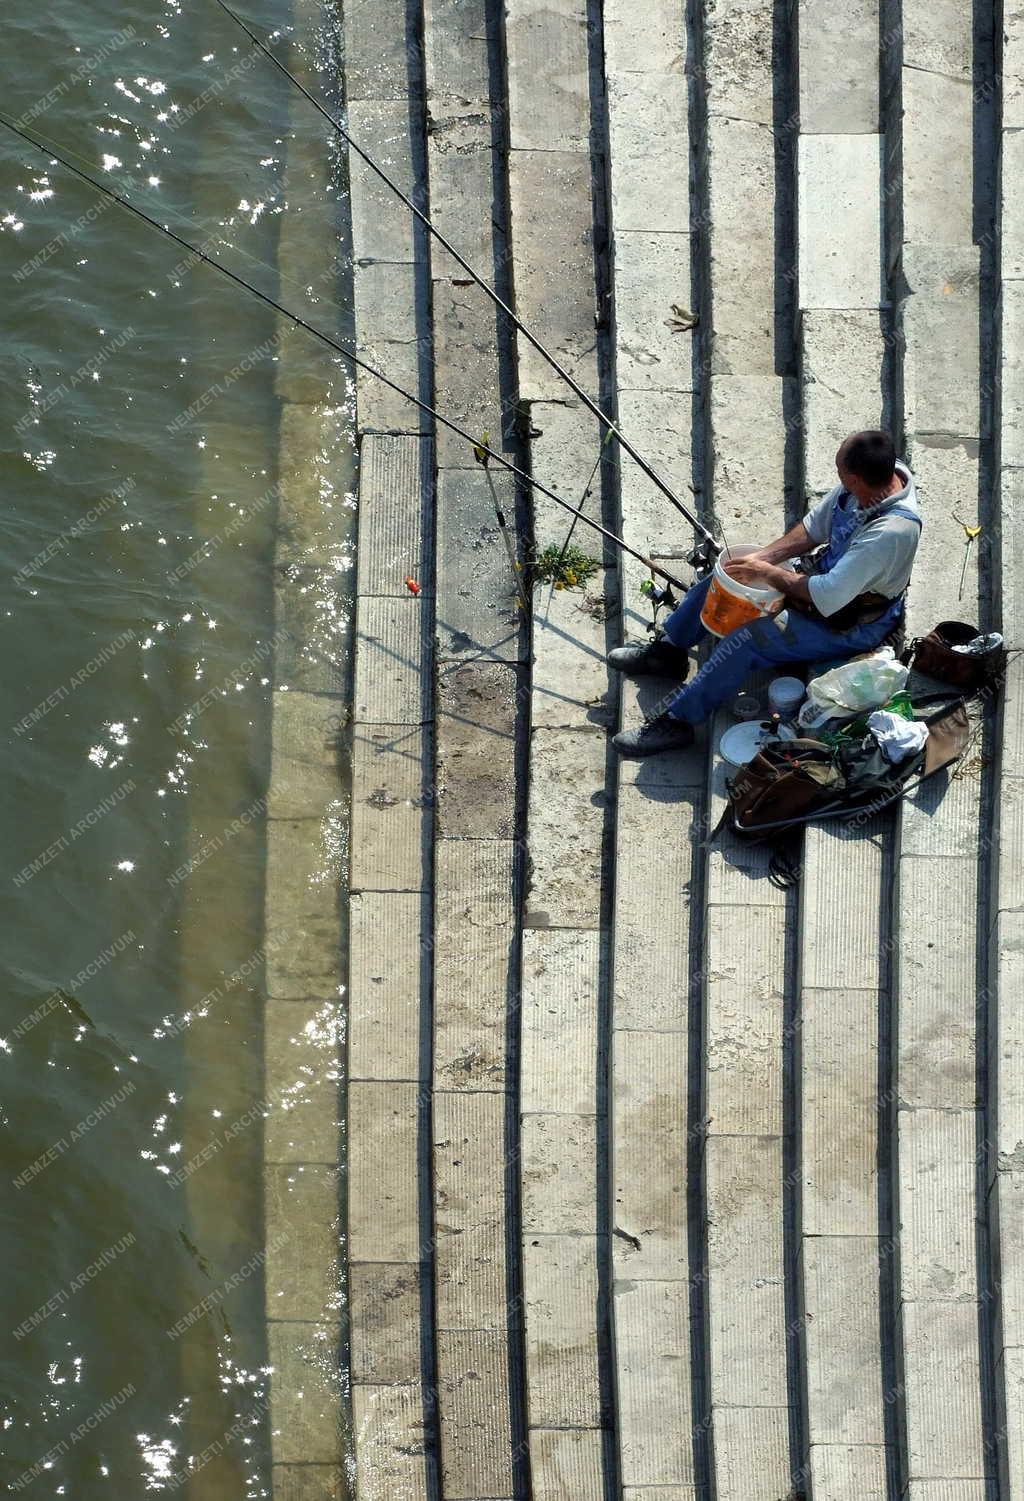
pixel 666 1184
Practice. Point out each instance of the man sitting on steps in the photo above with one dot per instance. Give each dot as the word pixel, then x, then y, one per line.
pixel 847 600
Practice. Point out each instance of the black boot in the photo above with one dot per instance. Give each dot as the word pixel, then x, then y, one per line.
pixel 657 658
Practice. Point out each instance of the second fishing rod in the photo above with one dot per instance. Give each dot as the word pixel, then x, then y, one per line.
pixel 707 549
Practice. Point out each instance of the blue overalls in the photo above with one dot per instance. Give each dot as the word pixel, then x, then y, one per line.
pixel 802 638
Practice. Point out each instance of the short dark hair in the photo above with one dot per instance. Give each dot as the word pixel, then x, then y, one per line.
pixel 871 455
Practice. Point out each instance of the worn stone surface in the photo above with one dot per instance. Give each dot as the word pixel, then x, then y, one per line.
pixel 1009 954
pixel 652 1342
pixel 387 1334
pixel 746 1294
pixel 839 1111
pixel 647 120
pixel 565 446
pixel 571 683
pixel 390 817
pixel 566 822
pixel 744 1036
pixel 395 514
pixel 654 348
pixel 553 242
pixel 840 259
pixel 942 1389
pixel 382 227
pixel 477 1411
pixel 741 158
pixel 461 179
pixel 548 75
pixel 476 707
pixel 560 1056
pixel 941 324
pixel 653 894
pixel 839 1471
pixel 845 869
pixel 386 984
pixel 939 37
pixel 391 1427
pixel 562 1308
pixel 478 614
pixel 456 52
pixel 937 1156
pixel 381 59
pixel 1012 372
pixel 470 1151
pixel 566 1462
pixel 747 471
pixel 302 1076
pixel 739 58
pixel 305 1396
pixel 466 373
pixel 948 482
pixel 649 1154
pixel 845 1395
pixel 937 971
pixel 838 66
pixel 390 685
pixel 303 1241
pixel 301 912
pixel 559 1174
pixel 381 404
pixel 384 1137
pixel 651 40
pixel 1012 211
pixel 751 1448
pixel 937 158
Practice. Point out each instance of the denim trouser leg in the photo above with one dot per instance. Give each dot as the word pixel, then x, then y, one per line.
pixel 762 644
pixel 683 627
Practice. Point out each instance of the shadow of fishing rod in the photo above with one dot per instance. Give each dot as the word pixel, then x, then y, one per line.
pixel 483 452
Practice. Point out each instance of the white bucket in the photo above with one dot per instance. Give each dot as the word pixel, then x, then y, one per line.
pixel 730 604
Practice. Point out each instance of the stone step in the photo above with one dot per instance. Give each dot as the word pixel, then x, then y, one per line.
pixel 478 697
pixel 564 1223
pixel 938 958
pixel 656 936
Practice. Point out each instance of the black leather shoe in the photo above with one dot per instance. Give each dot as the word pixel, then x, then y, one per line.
pixel 657 658
pixel 659 734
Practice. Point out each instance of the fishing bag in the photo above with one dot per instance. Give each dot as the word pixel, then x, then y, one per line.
pixel 787 779
pixel 933 655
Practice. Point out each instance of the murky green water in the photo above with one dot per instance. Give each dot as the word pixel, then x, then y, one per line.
pixel 139 426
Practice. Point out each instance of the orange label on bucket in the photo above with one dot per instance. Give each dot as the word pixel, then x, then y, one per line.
pixel 724 612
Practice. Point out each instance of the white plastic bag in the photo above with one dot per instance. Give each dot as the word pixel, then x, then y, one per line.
pixel 864 682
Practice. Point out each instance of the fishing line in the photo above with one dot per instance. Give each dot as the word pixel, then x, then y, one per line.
pixel 485 286
pixel 333 344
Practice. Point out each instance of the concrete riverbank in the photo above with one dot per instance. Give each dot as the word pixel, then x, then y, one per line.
pixel 663 1183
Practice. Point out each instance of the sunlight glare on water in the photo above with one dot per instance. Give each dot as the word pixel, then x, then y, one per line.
pixel 141 414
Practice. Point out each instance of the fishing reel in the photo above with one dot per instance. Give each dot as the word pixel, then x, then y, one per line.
pixel 703 557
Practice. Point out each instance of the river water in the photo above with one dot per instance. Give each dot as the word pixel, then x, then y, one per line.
pixel 140 465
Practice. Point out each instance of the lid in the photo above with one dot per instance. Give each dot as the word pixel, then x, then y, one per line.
pixel 740 744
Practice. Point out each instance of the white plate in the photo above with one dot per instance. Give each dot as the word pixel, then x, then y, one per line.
pixel 740 743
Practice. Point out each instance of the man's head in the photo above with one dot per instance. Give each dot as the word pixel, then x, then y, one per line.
pixel 865 463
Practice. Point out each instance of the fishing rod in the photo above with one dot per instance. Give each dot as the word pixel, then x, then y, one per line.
pixel 339 348
pixel 708 548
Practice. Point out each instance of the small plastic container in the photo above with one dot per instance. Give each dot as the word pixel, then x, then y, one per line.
pixel 785 695
pixel 746 706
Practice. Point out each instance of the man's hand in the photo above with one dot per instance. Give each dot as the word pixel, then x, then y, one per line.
pixel 752 570
pixel 756 571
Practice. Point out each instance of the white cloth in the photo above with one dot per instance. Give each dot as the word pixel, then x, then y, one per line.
pixel 897 737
